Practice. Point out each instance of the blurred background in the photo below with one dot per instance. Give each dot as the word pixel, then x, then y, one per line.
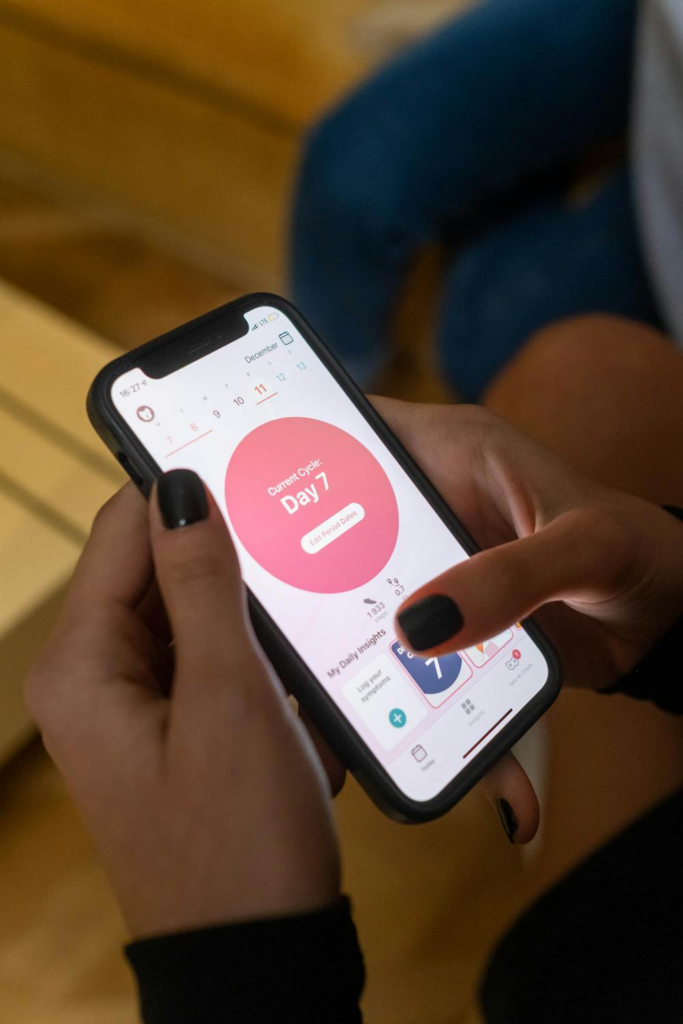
pixel 148 150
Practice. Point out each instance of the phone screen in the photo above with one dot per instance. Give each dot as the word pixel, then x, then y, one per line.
pixel 332 536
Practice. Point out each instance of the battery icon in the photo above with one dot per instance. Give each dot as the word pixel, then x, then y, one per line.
pixel 273 316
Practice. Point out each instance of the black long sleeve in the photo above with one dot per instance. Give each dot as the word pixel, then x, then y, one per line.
pixel 605 945
pixel 306 969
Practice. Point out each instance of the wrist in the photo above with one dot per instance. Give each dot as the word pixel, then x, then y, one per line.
pixel 180 909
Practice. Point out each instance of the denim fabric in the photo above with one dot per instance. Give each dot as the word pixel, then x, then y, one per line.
pixel 550 261
pixel 512 90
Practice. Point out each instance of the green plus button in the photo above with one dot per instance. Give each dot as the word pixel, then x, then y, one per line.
pixel 397 717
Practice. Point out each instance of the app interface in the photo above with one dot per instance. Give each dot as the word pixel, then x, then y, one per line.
pixel 332 536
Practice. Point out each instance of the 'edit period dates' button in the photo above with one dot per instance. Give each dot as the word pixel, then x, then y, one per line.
pixel 317 539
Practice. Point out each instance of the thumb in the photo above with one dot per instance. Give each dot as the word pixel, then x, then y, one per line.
pixel 581 555
pixel 508 788
pixel 199 578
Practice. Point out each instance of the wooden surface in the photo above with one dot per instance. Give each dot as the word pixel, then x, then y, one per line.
pixel 284 60
pixel 53 477
pixel 61 937
pixel 160 152
pixel 92 262
pixel 49 453
pixel 189 115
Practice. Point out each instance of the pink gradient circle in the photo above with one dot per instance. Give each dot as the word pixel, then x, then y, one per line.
pixel 276 451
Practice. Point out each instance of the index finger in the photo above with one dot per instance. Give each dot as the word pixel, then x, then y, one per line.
pixel 116 563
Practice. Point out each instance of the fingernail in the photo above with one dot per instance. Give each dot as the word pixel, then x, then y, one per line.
pixel 182 498
pixel 507 818
pixel 431 621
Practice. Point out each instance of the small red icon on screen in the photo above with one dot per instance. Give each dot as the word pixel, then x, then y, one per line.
pixel 145 413
pixel 516 654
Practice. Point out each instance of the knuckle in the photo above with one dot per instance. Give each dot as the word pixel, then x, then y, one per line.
pixel 482 426
pixel 32 691
pixel 39 690
pixel 602 525
pixel 475 418
pixel 475 414
pixel 50 684
pixel 195 570
pixel 106 511
pixel 249 683
pixel 448 423
pixel 610 535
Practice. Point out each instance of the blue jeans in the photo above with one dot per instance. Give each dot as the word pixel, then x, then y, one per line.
pixel 469 138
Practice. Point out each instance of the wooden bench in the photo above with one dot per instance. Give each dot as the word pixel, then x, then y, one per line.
pixel 54 475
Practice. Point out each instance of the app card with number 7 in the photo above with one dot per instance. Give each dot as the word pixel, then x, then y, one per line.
pixel 437 678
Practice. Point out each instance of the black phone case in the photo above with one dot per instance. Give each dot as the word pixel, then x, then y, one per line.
pixel 290 667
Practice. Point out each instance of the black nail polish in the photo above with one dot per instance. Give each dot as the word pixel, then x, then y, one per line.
pixel 430 621
pixel 507 818
pixel 182 498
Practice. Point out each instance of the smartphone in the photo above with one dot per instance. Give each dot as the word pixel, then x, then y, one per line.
pixel 335 526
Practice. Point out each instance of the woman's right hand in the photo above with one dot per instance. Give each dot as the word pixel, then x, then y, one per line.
pixel 601 570
pixel 205 796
